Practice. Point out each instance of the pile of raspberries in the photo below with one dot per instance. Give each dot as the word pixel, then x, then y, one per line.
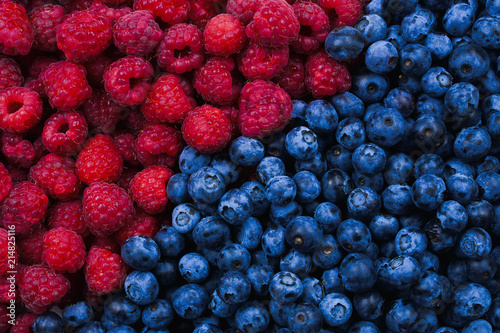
pixel 98 99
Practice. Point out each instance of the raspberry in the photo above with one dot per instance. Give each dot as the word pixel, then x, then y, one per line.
pixel 34 81
pixel 126 177
pixel 96 68
pixel 101 112
pixel 274 24
pixel 106 208
pixel 158 144
pixel 128 80
pixel 135 121
pixel 181 49
pixel 7 251
pixel 20 109
pixel 314 27
pixel 83 35
pixel 30 247
pixel 147 188
pixel 166 102
pixel 142 224
pixel 66 84
pixel 342 12
pixel 10 73
pixel 6 294
pixel 45 20
pixel 215 82
pixel 104 271
pixel 201 12
pixel 113 14
pixel 24 207
pixel 24 322
pixel 5 181
pixel 105 242
pixel 99 160
pixel 137 33
pixel 244 10
pixel 56 175
pixel 125 142
pixel 207 129
pixel 232 113
pixel 40 288
pixel 19 152
pixel 169 11
pixel 259 62
pixel 291 78
pixel 63 250
pixel 265 109
pixel 18 174
pixel 64 133
pixel 224 35
pixel 69 215
pixel 326 76
pixel 16 34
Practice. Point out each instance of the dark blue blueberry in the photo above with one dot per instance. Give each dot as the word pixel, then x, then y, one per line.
pixel 417 25
pixel 185 217
pixel 235 206
pixel 344 43
pixel 158 315
pixel 481 270
pixel 411 83
pixel 225 166
pixel 256 192
pixel 269 167
pixel 373 27
pixel 321 117
pixel 490 105
pixel 211 233
pixel 328 253
pixel 353 236
pixel 456 272
pixel 260 277
pixel 296 262
pixel 274 146
pixel 429 164
pixel 411 241
pixel 301 143
pixel 249 233
pixel 207 209
pixel 453 216
pixel 141 252
pixel 166 272
pixel 328 216
pixel 122 329
pixel 308 186
pixel 194 268
pixel 440 241
pixel 336 185
pixel 280 190
pixel 220 308
pixel 461 188
pixel 357 273
pixel 363 203
pixel 372 251
pixel 280 311
pixel 479 325
pixel 430 291
pixel 170 241
pixel 317 165
pixel 490 163
pixel 283 214
pixel 303 234
pixel 369 305
pixel 378 7
pixel 299 109
pixel 338 157
pixel 369 159
pixel 77 314
pixel 375 182
pixel 207 328
pixel 480 213
pixel 48 322
pixel 396 199
pixel 462 99
pixel 485 32
pixel 120 309
pixel 190 160
pixel 350 133
pixel 245 151
pixel 415 60
pixel 190 301
pixel 348 105
pixel 401 272
pixel 428 192
pixel 381 57
pixel 395 36
pixel 458 19
pixel 370 87
pixel 233 257
pixel 387 249
pixel 489 186
pixel 252 317
pixel 305 318
pixel 273 241
pixel 92 327
pixel 402 313
pixel 468 61
pixel 206 185
pixel 336 309
pixel 177 188
pixel 285 287
pixel 332 281
pixel 364 326
pixel 400 99
pixel 386 127
pixel 383 227
pixel 431 105
pixel 475 243
pixel 456 166
pixel 429 261
pixel 439 44
pixel 472 300
pixel 141 287
pixel 398 169
pixel 493 315
pixel 314 291
pixel 436 81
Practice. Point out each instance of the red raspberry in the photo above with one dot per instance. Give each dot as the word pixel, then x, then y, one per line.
pixel 166 101
pixel 216 82
pixel 66 84
pixel 142 224
pixel 10 73
pixel 274 24
pixel 158 144
pixel 104 271
pixel 24 207
pixel 314 27
pixel 125 142
pixel 128 80
pixel 224 35
pixel 8 252
pixel 16 34
pixel 5 181
pixel 24 322
pixel 113 14
pixel 232 113
pixel 265 109
pixel 64 133
pixel 30 247
pixel 6 294
pixel 244 10
pixel 147 188
pixel 291 78
pixel 69 215
pixel 169 11
pixel 106 208
pixel 45 20
pixel 115 3
pixel 20 109
pixel 326 76
pixel 19 152
pixel 126 177
pixel 259 62
pixel 101 112
pixel 181 49
pixel 84 34
pixel 135 121
pixel 63 250
pixel 96 68
pixel 56 175
pixel 137 33
pixel 207 129
pixel 201 12
pixel 18 174
pixel 40 288
pixel 342 12
pixel 104 242
pixel 34 81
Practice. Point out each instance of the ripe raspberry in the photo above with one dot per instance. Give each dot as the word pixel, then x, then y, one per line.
pixel 216 81
pixel 142 224
pixel 125 142
pixel 135 121
pixel 106 208
pixel 158 144
pixel 274 24
pixel 169 11
pixel 244 10
pixel 24 322
pixel 45 19
pixel 64 133
pixel 16 34
pixel 314 27
pixel 128 80
pixel 56 175
pixel 99 160
pixel 126 177
pixel 63 250
pixel 232 113
pixel 166 101
pixel 326 76
pixel 104 271
pixel 8 252
pixel 69 215
pixel 20 109
pixel 201 12
pixel 10 73
pixel 34 81
pixel 24 206
pixel 5 181
pixel 19 152
pixel 259 62
pixel 101 112
pixel 342 12
pixel 265 109
pixel 30 247
pixel 66 84
pixel 137 33
pixel 113 14
pixel 103 242
pixel 96 68
pixel 224 35
pixel 40 288
pixel 83 35
pixel 18 174
pixel 148 188
pixel 181 49
pixel 291 78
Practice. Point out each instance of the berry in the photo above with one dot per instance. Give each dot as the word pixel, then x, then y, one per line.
pixel 69 215
pixel 194 268
pixel 10 75
pixel 141 224
pixel 125 142
pixel 45 19
pixel 201 12
pixel 224 35
pixel 104 271
pixel 101 112
pixel 64 133
pixel 291 78
pixel 16 34
pixel 77 314
pixel 342 12
pixel 20 109
pixel 5 181
pixel 344 43
pixel 158 144
pixel 168 11
pixel 313 17
pixel 206 185
pixel 320 66
pixel 141 287
pixel 190 301
pixel 31 247
pixel 259 62
pixel 147 188
pixel 63 250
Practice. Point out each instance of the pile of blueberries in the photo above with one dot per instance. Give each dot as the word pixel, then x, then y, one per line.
pixel 377 210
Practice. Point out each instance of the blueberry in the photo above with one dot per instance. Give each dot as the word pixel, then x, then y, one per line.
pixel 308 186
pixel 305 318
pixel 92 327
pixel 364 326
pixel 462 99
pixel 411 241
pixel 381 57
pixel 479 325
pixel 321 117
pixel 383 227
pixel 453 216
pixel 249 233
pixel 252 317
pixel 328 253
pixel 141 287
pixel 77 314
pixel 401 272
pixel 428 192
pixel 439 44
pixel 245 151
pixel 481 270
pixel 190 160
pixel 299 109
pixel 48 322
pixel 485 32
pixel 373 27
pixel 430 105
pixel 350 133
pixel 285 287
pixel 185 217
pixel 256 191
pixel 429 262
pixel 430 291
pixel 370 87
pixel 220 308
pixel 348 105
pixel 337 157
pixel 395 36
pixel 336 309
pixel 303 234
pixel 489 163
pixel 396 199
pixel 177 188
pixel 472 300
pixel 280 311
pixel 328 216
pixel 336 185
pixel 332 281
pixel 166 272
pixel 120 309
pixel 369 305
pixel 353 236
pixel 233 257
pixel 400 99
pixel 194 268
pixel 235 206
pixel 158 314
pixel 141 252
pixel 462 188
pixel 122 329
pixel 480 213
pixel 458 19
pixel 415 59
pixel 190 301
pixel 411 83
pixel 316 165
pixel 357 273
pixel 344 43
pixel 301 143
pixel 417 25
pixel 386 127
pixel 283 214
pixel 211 233
pixel 314 291
pixel 398 169
pixel 206 185
pixel 402 313
pixel 468 61
pixel 170 241
pixel 489 183
pixel 440 241
pixel 269 167
pixel 225 166
pixel 296 262
pixel 475 243
pixel 363 203
pixel 207 328
pixel 260 277
pixel 456 166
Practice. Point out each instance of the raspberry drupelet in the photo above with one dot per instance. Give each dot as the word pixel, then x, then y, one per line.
pixel 104 271
pixel 158 144
pixel 10 73
pixel 259 62
pixel 69 215
pixel 101 112
pixel 325 76
pixel 45 19
pixel 224 35
pixel 169 11
pixel 148 188
pixel 64 133
pixel 20 109
pixel 18 151
pixel 314 27
pixel 63 250
pixel 16 33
